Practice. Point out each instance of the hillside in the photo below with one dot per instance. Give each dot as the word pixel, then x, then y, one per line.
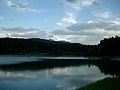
pixel 36 46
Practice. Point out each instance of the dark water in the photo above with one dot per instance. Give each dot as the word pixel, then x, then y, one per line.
pixel 53 73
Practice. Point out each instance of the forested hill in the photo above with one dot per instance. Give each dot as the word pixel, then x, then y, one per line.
pixel 106 47
pixel 36 46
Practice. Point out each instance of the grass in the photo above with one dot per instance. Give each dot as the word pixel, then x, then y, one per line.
pixel 105 84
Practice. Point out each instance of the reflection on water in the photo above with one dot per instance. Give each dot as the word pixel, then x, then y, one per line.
pixel 56 78
pixel 54 74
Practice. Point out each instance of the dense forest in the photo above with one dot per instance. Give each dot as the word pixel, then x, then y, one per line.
pixel 36 46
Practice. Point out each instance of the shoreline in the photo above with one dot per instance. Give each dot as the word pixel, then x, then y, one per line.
pixel 109 83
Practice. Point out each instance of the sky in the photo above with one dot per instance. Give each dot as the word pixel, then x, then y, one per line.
pixel 76 21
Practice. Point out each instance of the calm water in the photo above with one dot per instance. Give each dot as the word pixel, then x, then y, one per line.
pixel 40 73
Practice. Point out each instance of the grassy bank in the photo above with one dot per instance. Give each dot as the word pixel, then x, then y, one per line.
pixel 105 84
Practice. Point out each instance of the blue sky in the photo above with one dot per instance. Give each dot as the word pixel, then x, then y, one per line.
pixel 82 21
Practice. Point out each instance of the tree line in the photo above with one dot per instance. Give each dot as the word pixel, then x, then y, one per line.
pixel 36 46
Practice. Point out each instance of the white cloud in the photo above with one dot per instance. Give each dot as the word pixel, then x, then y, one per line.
pixel 102 14
pixel 90 32
pixel 73 7
pixel 91 38
pixel 93 25
pixel 3 35
pixel 59 37
pixel 96 32
pixel 116 21
pixel 35 10
pixel 87 2
pixel 67 20
pixel 20 32
pixel 59 23
pixel 18 5
pixel 85 39
pixel 31 34
pixel 21 5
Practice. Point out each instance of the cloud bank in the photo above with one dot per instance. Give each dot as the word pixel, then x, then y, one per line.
pixel 90 32
pixel 20 32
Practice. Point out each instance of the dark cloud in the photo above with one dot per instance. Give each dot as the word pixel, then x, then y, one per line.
pixel 72 1
pixel 22 5
pixel 17 29
pixel 96 3
pixel 60 3
pixel 77 33
pixel 92 25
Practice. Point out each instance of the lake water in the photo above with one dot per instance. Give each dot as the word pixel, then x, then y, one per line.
pixel 52 73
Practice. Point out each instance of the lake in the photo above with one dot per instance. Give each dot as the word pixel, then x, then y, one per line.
pixel 53 73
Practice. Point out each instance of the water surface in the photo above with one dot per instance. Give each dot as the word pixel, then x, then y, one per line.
pixel 51 74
